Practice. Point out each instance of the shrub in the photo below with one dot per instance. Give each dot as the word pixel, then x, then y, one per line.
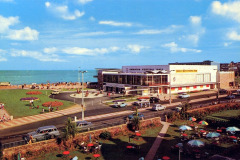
pixel 105 135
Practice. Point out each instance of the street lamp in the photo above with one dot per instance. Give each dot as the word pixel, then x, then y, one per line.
pixel 82 94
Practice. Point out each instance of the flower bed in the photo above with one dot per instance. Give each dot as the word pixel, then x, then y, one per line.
pixel 34 93
pixel 52 104
pixel 29 98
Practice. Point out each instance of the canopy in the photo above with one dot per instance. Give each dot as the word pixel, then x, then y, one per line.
pixel 232 129
pixel 192 119
pixel 185 127
pixel 203 123
pixel 212 135
pixel 195 143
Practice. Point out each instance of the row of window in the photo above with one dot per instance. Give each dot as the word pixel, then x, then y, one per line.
pixel 188 87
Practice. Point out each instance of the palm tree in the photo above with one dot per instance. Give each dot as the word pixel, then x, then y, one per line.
pixel 136 121
pixel 70 129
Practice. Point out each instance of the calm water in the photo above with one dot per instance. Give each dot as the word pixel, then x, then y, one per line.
pixel 36 76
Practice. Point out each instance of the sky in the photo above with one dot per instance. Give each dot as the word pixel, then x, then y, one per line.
pixel 68 34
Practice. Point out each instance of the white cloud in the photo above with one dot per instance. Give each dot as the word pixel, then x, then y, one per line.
pixel 170 29
pixel 135 48
pixel 92 18
pixel 23 34
pixel 113 23
pixel 36 55
pixel 174 48
pixel 7 22
pixel 63 12
pixel 50 50
pixel 195 20
pixel 84 1
pixel 229 9
pixel 226 44
pixel 47 4
pixel 195 30
pixel 99 33
pixel 89 52
pixel 233 35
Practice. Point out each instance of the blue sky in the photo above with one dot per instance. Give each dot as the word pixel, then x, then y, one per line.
pixel 67 34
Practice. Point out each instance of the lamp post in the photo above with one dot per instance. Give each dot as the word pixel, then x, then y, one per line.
pixel 82 93
pixel 79 77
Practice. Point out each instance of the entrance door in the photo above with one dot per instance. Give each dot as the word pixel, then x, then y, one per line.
pixel 160 90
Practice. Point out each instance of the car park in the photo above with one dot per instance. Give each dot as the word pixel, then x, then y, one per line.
pixel 83 125
pixel 184 95
pixel 131 116
pixel 158 107
pixel 154 100
pixel 119 105
pixel 230 97
pixel 55 92
pixel 43 133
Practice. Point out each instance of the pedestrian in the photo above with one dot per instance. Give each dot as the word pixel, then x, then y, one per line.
pixel 49 108
pixel 57 109
pixel 43 110
pixel 37 106
pixel 30 139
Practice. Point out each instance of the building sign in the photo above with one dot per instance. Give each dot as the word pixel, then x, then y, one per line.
pixel 185 71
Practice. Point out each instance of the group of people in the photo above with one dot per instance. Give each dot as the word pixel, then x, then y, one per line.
pixel 4 118
pixel 1 106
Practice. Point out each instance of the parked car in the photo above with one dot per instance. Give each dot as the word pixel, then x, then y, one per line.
pixel 222 91
pixel 230 97
pixel 43 133
pixel 119 105
pixel 238 92
pixel 184 95
pixel 158 107
pixel 154 100
pixel 140 115
pixel 83 125
pixel 55 92
pixel 178 109
pixel 141 102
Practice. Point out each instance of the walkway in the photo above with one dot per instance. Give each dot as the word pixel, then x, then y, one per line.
pixel 153 150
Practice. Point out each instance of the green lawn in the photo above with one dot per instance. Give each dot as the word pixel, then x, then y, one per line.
pixel 227 114
pixel 115 149
pixel 13 105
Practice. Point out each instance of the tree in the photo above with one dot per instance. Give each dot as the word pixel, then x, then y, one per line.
pixel 136 121
pixel 70 129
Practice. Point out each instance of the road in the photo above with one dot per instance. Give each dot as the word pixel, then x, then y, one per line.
pixel 92 110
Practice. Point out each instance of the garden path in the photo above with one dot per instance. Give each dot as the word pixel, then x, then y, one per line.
pixel 153 150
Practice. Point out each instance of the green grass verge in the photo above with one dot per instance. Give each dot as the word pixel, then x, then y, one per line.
pixel 16 108
pixel 115 148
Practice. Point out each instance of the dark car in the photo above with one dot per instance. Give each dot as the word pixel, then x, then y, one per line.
pixel 222 91
pixel 230 97
pixel 140 115
pixel 154 100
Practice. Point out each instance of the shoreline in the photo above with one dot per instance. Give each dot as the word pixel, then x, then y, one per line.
pixel 50 86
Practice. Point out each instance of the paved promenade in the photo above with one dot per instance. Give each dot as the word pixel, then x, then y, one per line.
pixel 153 150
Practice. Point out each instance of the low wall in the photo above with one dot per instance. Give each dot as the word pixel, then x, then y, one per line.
pixel 34 149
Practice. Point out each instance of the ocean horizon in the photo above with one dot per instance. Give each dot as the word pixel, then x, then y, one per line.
pixel 19 77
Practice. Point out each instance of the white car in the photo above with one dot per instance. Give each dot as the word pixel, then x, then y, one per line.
pixel 184 95
pixel 158 107
pixel 55 92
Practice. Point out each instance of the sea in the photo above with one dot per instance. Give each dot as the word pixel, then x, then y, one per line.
pixel 19 77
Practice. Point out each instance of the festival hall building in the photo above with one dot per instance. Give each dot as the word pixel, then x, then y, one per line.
pixel 164 79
